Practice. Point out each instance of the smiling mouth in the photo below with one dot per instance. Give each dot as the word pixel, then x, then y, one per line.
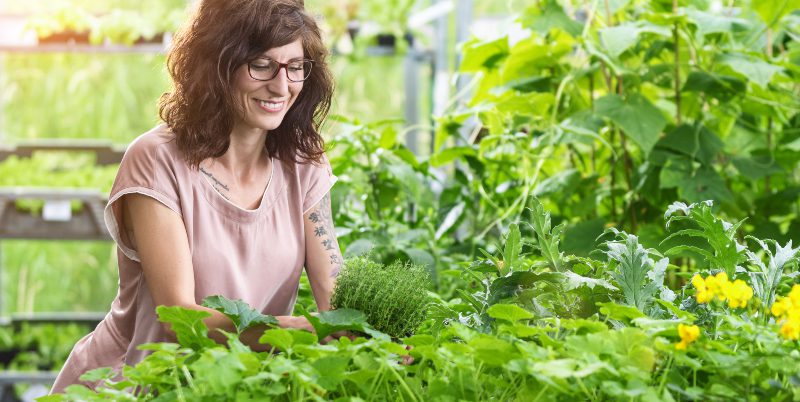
pixel 270 106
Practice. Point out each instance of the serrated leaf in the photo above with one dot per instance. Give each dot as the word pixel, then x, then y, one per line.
pixel 328 322
pixel 575 281
pixel 547 239
pixel 188 326
pixel 242 315
pixel 513 248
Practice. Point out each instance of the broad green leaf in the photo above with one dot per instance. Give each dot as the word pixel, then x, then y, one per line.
pixel 641 121
pixel 544 17
pixel 188 326
pixel 620 38
pixel 448 155
pixel 242 315
pixel 773 11
pixel 532 53
pixel 278 338
pixel 564 181
pixel 420 257
pixel 483 55
pixel 99 374
pixel 328 322
pixel 509 286
pixel 619 312
pixel 756 167
pixel 358 247
pixel 695 184
pixel 331 371
pixel 492 350
pixel 722 87
pixel 755 70
pixel 708 23
pixel 696 142
pixel 509 312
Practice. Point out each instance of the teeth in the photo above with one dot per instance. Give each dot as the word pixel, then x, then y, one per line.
pixel 271 105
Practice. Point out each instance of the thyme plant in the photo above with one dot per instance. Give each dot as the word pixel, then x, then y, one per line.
pixel 394 297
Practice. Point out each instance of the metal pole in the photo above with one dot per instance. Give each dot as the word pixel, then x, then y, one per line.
pixel 464 15
pixel 441 84
pixel 411 82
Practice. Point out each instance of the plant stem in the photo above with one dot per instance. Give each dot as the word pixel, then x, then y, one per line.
pixel 767 180
pixel 677 65
pixel 403 384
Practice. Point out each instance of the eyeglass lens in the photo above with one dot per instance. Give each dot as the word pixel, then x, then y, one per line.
pixel 264 70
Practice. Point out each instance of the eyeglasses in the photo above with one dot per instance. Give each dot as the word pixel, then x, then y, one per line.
pixel 266 69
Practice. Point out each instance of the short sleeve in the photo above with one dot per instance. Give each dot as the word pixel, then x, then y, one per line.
pixel 319 180
pixel 147 169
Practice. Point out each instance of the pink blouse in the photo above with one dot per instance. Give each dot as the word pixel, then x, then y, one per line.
pixel 254 255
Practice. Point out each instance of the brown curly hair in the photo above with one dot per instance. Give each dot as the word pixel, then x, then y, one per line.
pixel 222 35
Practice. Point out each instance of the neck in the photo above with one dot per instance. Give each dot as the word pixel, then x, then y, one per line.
pixel 246 154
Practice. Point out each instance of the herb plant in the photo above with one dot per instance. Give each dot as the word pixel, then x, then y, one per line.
pixel 393 297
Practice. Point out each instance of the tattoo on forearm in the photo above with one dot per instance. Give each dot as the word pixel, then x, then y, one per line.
pixel 218 185
pixel 326 234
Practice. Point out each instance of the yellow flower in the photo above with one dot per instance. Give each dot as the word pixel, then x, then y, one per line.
pixel 702 295
pixel 738 293
pixel 787 311
pixel 791 329
pixel 781 306
pixel 794 295
pixel 717 285
pixel 688 334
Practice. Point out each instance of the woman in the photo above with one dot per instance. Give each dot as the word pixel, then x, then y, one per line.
pixel 229 196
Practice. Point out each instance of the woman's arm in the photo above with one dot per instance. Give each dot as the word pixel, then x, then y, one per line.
pixel 323 257
pixel 159 236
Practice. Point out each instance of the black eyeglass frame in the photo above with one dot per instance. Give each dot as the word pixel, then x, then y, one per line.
pixel 285 67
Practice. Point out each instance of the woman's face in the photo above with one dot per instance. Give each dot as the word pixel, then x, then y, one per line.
pixel 266 102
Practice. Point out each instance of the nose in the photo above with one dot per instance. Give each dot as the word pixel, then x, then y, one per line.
pixel 280 83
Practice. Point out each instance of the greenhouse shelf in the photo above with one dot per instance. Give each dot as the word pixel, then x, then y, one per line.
pixel 9 378
pixel 106 153
pixel 57 221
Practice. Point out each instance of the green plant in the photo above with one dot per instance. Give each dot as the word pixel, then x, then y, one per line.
pixel 393 297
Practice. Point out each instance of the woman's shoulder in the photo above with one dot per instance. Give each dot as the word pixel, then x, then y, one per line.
pixel 156 144
pixel 158 140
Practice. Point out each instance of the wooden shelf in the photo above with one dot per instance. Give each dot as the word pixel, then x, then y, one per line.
pixel 107 153
pixel 87 224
